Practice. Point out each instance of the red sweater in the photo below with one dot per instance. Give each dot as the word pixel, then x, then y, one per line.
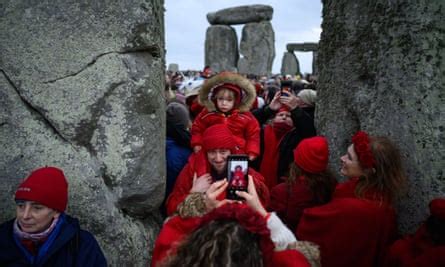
pixel 199 164
pixel 177 228
pixel 290 200
pixel 242 125
pixel 416 250
pixel 350 231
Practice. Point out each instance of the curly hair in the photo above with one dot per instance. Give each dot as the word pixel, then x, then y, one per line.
pixel 322 185
pixel 387 180
pixel 219 243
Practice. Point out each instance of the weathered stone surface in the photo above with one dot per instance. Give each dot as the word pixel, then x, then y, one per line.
pixel 384 72
pixel 173 67
pixel 257 48
pixel 302 47
pixel 289 64
pixel 241 15
pixel 81 89
pixel 221 48
pixel 315 62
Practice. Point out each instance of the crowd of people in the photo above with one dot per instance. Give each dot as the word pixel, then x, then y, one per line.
pixel 295 212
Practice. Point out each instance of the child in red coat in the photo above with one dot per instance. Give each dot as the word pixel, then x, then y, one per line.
pixel 227 98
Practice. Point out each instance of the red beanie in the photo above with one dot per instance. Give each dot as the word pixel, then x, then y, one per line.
pixel 47 186
pixel 283 108
pixel 218 136
pixel 312 154
pixel 231 87
pixel 437 208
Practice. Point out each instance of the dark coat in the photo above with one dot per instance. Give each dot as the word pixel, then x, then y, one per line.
pixel 71 247
pixel 303 119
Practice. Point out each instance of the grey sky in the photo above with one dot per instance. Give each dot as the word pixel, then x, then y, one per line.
pixel 186 24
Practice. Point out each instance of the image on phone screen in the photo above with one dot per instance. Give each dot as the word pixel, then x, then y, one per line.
pixel 237 175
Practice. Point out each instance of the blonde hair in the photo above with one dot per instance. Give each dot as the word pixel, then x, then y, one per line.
pixel 224 91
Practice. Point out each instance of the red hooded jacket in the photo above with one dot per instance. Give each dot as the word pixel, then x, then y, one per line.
pixel 243 126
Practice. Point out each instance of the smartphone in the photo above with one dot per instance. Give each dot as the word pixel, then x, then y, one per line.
pixel 285 87
pixel 237 168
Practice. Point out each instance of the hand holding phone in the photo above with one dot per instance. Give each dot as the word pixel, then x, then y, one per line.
pixel 237 168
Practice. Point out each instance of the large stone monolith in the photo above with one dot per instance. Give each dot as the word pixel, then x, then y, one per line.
pixel 221 48
pixel 289 64
pixel 382 69
pixel 81 88
pixel 257 48
pixel 241 15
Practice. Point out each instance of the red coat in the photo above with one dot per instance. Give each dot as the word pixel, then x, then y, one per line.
pixel 271 156
pixel 242 125
pixel 199 164
pixel 350 231
pixel 416 250
pixel 289 201
pixel 177 228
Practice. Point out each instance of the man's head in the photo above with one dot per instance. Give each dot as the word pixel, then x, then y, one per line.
pixel 41 198
pixel 218 143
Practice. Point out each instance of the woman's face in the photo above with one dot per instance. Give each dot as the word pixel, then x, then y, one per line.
pixel 284 116
pixel 350 166
pixel 34 217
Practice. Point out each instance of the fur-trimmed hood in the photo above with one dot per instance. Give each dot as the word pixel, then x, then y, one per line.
pixel 228 77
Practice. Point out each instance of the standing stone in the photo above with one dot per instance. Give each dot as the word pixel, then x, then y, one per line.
pixel 384 72
pixel 241 15
pixel 315 62
pixel 289 64
pixel 221 48
pixel 173 67
pixel 257 48
pixel 81 88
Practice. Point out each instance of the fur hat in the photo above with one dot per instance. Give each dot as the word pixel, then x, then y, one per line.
pixel 178 113
pixel 218 136
pixel 312 154
pixel 47 186
pixel 308 96
pixel 211 86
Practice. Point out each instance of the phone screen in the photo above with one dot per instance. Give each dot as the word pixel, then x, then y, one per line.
pixel 285 91
pixel 237 169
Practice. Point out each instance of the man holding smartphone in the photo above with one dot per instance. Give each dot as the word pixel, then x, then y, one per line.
pixel 208 166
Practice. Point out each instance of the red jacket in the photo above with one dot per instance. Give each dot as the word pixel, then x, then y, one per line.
pixel 416 250
pixel 289 201
pixel 350 231
pixel 242 125
pixel 177 228
pixel 199 164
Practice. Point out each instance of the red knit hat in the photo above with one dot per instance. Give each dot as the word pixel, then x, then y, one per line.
pixel 312 154
pixel 437 208
pixel 283 108
pixel 231 87
pixel 47 186
pixel 218 136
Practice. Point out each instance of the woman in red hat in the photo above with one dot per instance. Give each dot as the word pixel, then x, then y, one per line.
pixel 230 234
pixel 206 167
pixel 427 246
pixel 42 234
pixel 309 184
pixel 227 98
pixel 357 226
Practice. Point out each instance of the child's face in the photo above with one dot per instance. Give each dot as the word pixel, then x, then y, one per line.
pixel 225 101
